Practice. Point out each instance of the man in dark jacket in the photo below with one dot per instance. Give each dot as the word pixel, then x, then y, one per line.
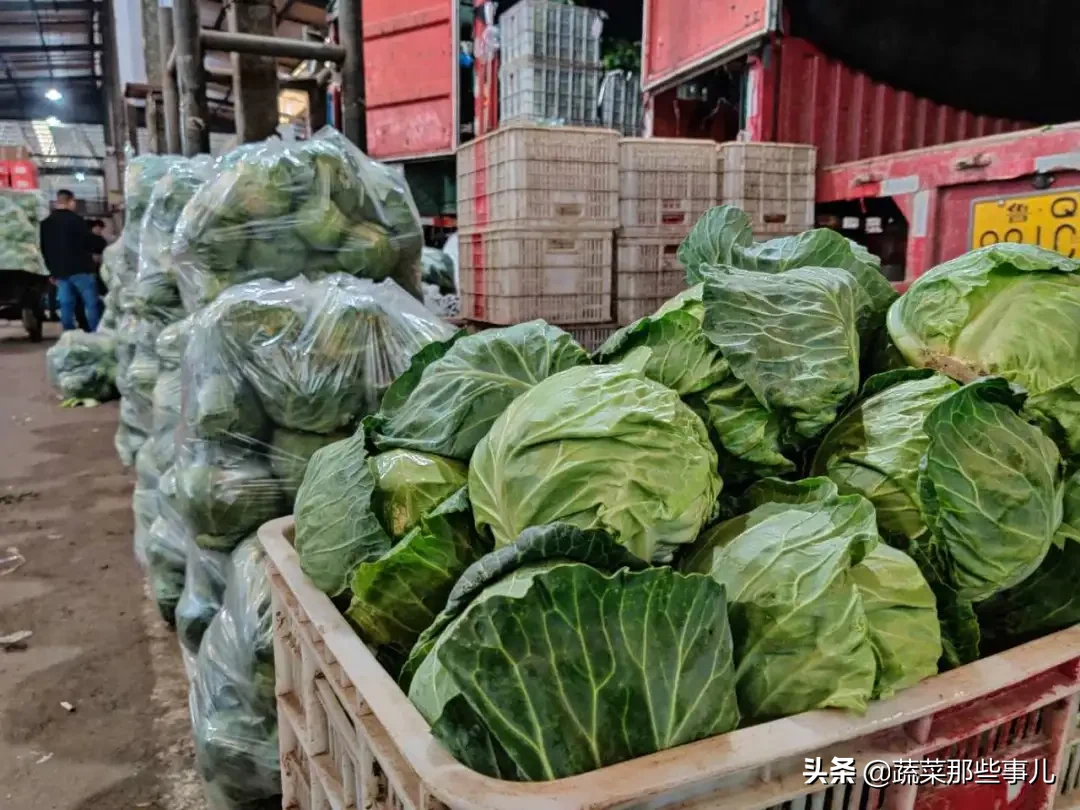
pixel 65 244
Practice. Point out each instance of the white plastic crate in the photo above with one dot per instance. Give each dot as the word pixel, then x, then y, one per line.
pixel 621 103
pixel 774 183
pixel 541 29
pixel 351 739
pixel 547 91
pixel 509 276
pixel 543 177
pixel 648 273
pixel 666 184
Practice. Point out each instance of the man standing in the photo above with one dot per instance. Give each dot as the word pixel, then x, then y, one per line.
pixel 65 244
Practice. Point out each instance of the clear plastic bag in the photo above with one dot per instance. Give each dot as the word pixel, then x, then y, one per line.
pixel 82 365
pixel 275 210
pixel 140 176
pixel 274 371
pixel 155 293
pixel 438 270
pixel 232 701
pixel 167 393
pixel 20 239
pixel 204 590
pixel 166 545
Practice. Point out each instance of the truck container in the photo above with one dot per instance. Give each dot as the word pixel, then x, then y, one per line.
pixel 917 181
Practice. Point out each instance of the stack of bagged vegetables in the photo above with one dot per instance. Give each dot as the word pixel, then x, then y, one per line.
pixel 152 406
pixel 137 325
pixel 267 313
pixel 272 371
pixel 785 490
pixel 277 209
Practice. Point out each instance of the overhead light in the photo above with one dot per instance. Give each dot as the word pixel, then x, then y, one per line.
pixel 80 176
pixel 52 94
pixel 53 121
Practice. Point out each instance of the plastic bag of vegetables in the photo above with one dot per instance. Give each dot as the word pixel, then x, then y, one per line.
pixel 83 366
pixel 233 711
pixel 155 292
pixel 166 547
pixel 140 176
pixel 272 373
pixel 205 577
pixel 276 210
pixel 20 241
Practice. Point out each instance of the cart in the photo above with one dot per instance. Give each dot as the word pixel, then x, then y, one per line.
pixel 22 298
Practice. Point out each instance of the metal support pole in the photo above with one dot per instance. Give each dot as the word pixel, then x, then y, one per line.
pixel 191 78
pixel 170 101
pixel 131 117
pixel 255 81
pixel 153 123
pixel 353 101
pixel 269 46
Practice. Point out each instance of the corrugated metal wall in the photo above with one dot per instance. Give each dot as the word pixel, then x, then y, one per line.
pixel 848 116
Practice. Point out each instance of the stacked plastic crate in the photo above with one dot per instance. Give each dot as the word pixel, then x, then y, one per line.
pixel 772 182
pixel 551 69
pixel 621 104
pixel 665 185
pixel 537 211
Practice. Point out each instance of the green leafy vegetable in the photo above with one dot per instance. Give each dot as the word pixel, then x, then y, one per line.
pixel 990 489
pixel 451 404
pixel 598 447
pixel 1008 310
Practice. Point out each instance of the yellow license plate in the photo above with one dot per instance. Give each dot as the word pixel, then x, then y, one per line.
pixel 1048 220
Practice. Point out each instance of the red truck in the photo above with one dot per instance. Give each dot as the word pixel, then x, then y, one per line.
pixel 917 181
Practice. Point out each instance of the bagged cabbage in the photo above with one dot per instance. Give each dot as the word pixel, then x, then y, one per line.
pixel 166 396
pixel 232 701
pixel 83 366
pixel 155 292
pixel 437 269
pixel 277 210
pixel 167 542
pixel 272 373
pixel 140 175
pixel 20 237
pixel 205 576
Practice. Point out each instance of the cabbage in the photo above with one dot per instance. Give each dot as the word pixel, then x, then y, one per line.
pixel 598 447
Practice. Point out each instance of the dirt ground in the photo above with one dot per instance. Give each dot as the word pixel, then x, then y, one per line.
pixel 98 644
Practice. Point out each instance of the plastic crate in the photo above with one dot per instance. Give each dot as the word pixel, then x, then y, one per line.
pixel 621 103
pixel 349 734
pixel 509 276
pixel 666 184
pixel 773 182
pixel 546 91
pixel 541 29
pixel 648 273
pixel 540 177
pixel 592 336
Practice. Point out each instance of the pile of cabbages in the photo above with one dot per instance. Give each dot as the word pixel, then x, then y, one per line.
pixel 787 489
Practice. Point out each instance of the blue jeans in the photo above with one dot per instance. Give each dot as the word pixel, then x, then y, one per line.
pixel 69 290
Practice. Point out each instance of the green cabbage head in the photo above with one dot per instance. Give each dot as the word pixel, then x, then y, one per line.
pixel 1006 310
pixel 598 447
